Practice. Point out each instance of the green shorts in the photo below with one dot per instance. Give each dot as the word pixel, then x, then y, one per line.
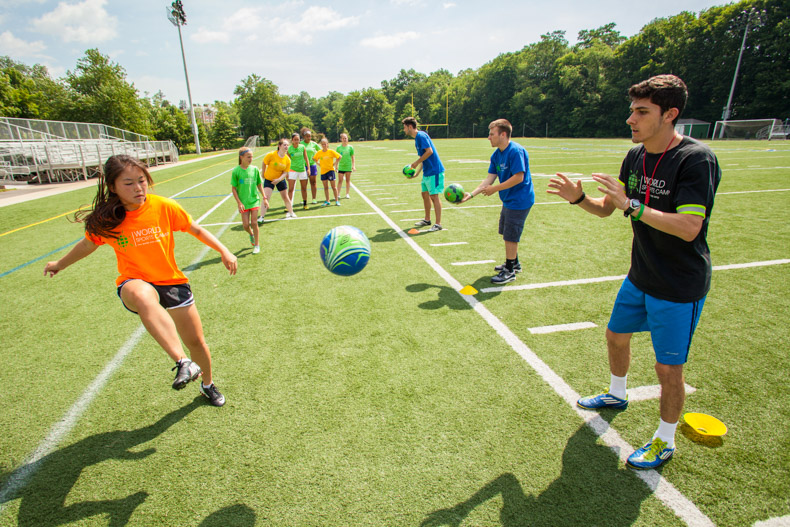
pixel 433 184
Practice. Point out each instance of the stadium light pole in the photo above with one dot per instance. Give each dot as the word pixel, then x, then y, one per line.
pixel 177 17
pixel 728 110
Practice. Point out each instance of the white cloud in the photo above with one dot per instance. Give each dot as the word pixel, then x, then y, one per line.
pixel 206 36
pixel 86 22
pixel 16 47
pixel 277 25
pixel 389 41
pixel 448 5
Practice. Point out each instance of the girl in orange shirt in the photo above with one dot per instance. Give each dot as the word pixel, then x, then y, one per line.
pixel 139 226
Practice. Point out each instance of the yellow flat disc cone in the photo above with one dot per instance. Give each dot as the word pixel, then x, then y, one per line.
pixel 704 424
pixel 413 231
pixel 468 290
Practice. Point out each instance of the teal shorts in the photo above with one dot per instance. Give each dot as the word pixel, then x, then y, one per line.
pixel 433 184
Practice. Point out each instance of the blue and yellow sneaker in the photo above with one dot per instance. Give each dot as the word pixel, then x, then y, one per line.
pixel 603 400
pixel 652 455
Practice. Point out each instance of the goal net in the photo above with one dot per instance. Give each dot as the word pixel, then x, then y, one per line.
pixel 749 129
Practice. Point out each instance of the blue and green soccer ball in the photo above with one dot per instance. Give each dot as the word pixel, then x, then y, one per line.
pixel 454 193
pixel 408 171
pixel 345 250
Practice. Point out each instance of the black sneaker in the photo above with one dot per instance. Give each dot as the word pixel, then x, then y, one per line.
pixel 516 268
pixel 214 397
pixel 187 372
pixel 504 277
pixel 422 223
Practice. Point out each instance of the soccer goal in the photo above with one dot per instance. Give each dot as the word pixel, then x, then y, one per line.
pixel 750 129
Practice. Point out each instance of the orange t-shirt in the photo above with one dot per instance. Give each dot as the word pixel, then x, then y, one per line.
pixel 144 247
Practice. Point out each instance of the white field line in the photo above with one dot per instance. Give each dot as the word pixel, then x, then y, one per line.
pixel 779 521
pixel 299 218
pixel 448 244
pixel 663 490
pixel 644 393
pixel 573 326
pixel 752 191
pixel 20 477
pixel 461 207
pixel 477 262
pixel 621 277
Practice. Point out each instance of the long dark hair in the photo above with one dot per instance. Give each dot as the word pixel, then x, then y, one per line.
pixel 108 212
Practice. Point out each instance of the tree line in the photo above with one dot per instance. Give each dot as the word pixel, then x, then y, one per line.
pixel 548 88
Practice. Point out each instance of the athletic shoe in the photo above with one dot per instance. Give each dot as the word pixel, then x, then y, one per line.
pixel 306 207
pixel 256 249
pixel 290 215
pixel 504 277
pixel 260 220
pixel 422 223
pixel 187 372
pixel 654 454
pixel 348 197
pixel 214 397
pixel 603 400
pixel 326 203
pixel 314 202
pixel 516 268
pixel 337 203
pixel 436 227
pixel 252 239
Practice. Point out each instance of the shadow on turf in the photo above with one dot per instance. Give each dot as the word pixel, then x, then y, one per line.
pixel 241 253
pixel 449 297
pixel 233 516
pixel 592 489
pixel 53 476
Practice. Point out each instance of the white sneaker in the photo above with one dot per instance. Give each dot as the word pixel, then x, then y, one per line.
pixel 260 220
pixel 436 227
pixel 290 216
pixel 348 197
pixel 256 249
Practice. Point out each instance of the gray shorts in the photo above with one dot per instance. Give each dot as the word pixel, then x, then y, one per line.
pixel 511 223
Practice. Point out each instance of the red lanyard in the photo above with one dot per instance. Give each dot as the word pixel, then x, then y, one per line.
pixel 644 169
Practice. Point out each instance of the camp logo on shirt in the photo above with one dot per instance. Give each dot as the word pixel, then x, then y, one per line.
pixel 141 237
pixel 122 241
pixel 633 181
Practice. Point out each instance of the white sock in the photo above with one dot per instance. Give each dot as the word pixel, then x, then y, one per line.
pixel 666 432
pixel 206 385
pixel 617 385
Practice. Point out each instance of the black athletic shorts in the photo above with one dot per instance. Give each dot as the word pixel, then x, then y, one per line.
pixel 170 296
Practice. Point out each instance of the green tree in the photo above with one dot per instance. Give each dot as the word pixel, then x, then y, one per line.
pixel 260 108
pixel 367 113
pixel 101 94
pixel 223 133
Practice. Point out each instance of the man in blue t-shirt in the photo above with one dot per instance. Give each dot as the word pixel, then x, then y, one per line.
pixel 432 173
pixel 510 164
pixel 666 188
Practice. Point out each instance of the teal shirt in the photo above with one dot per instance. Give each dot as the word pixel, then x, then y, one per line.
pixel 346 164
pixel 297 157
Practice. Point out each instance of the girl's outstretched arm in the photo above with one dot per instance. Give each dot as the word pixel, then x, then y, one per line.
pixel 228 258
pixel 83 248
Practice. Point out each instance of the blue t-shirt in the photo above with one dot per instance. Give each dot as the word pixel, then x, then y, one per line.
pixel 505 163
pixel 433 165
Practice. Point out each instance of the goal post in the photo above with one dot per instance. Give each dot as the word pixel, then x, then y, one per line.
pixel 749 129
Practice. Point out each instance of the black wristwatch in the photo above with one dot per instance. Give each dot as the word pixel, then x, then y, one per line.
pixel 633 204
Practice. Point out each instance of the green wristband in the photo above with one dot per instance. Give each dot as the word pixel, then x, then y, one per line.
pixel 641 211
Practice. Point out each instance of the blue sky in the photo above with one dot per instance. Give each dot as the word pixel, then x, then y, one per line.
pixel 299 44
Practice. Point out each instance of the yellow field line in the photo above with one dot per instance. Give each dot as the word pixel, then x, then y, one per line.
pixel 75 210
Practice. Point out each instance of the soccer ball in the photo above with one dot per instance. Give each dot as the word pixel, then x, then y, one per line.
pixel 345 250
pixel 408 171
pixel 454 193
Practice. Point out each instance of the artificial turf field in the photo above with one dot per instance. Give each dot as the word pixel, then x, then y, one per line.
pixel 388 398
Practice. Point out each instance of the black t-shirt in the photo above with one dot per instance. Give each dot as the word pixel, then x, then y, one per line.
pixel 663 265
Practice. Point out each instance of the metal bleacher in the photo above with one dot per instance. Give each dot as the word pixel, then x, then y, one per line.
pixel 40 151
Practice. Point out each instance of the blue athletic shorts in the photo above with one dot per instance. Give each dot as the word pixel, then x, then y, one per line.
pixel 313 170
pixel 671 324
pixel 433 184
pixel 329 176
pixel 511 224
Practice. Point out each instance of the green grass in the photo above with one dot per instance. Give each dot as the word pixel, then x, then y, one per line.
pixel 384 398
